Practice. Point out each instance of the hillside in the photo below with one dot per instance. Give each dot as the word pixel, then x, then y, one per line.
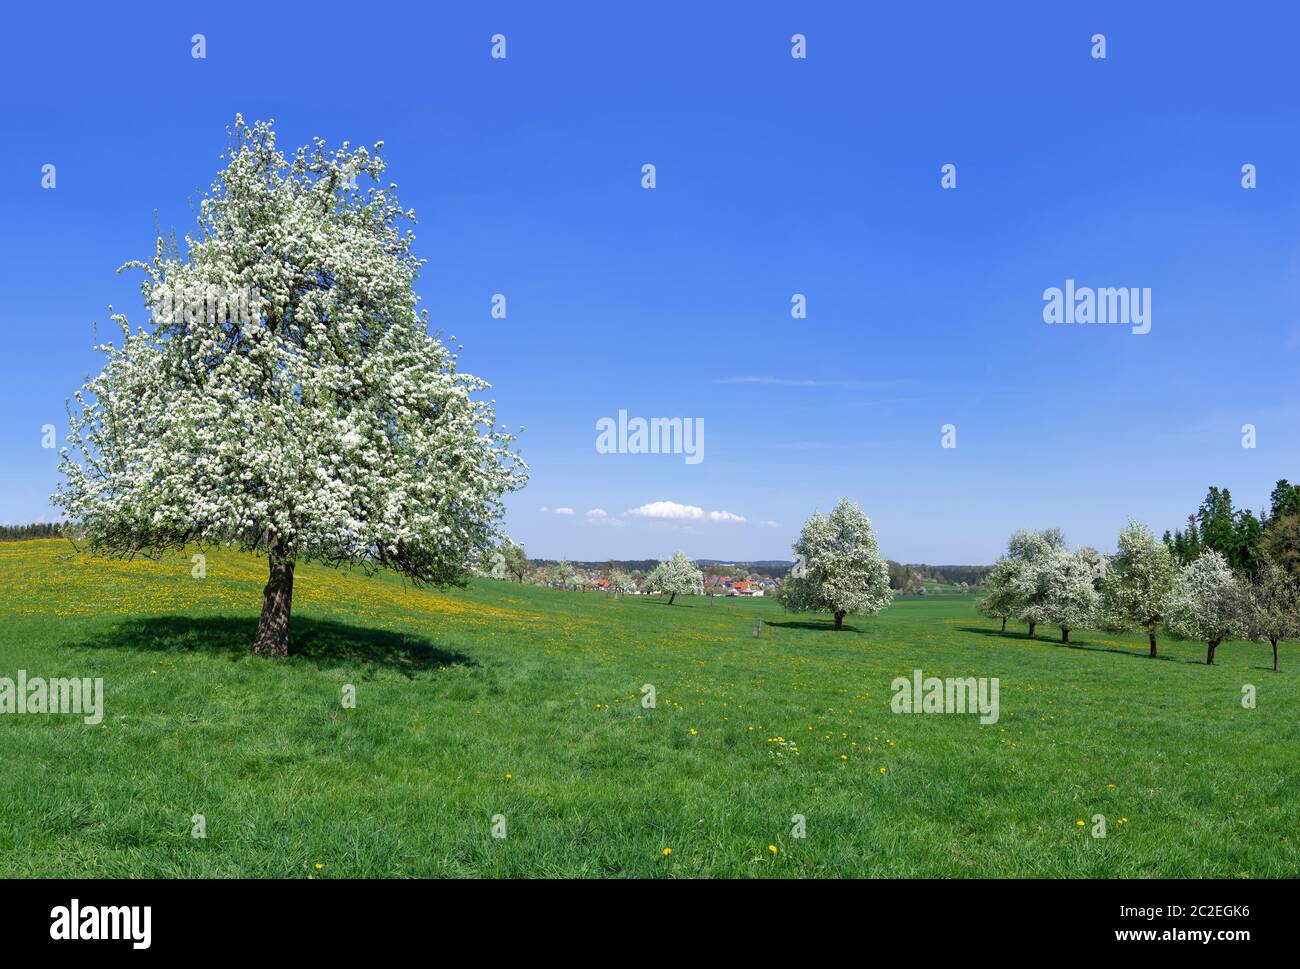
pixel 502 699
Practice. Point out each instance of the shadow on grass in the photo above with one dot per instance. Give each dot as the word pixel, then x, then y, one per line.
pixel 645 600
pixel 828 625
pixel 1139 651
pixel 319 641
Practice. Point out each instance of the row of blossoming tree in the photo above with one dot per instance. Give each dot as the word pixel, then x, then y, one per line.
pixel 1039 581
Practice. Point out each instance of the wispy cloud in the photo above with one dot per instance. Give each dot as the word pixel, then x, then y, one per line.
pixel 808 382
pixel 726 516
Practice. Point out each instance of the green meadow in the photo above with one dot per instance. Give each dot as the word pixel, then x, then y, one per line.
pixel 526 703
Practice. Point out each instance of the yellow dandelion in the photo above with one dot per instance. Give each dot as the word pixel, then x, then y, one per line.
pixel 882 770
pixel 319 866
pixel 844 756
pixel 1079 823
pixel 667 852
pixel 510 777
pixel 692 731
pixel 772 848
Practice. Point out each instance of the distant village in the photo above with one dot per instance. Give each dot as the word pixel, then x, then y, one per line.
pixel 720 578
pixel 715 584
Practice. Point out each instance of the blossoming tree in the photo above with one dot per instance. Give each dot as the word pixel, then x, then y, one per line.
pixel 1204 602
pixel 1140 577
pixel 677 576
pixel 838 568
pixel 321 422
pixel 1058 588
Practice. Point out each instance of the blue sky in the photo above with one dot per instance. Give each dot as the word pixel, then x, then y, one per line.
pixel 775 176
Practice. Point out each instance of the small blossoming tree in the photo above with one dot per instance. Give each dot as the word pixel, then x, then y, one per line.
pixel 620 582
pixel 677 576
pixel 998 601
pixel 1204 603
pixel 1269 605
pixel 322 422
pixel 838 566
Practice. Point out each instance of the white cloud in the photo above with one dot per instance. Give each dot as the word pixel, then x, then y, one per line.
pixel 543 509
pixel 599 516
pixel 666 509
pixel 726 516
pixel 564 511
pixel 770 524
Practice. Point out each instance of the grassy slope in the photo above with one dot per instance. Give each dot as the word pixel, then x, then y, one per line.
pixel 457 690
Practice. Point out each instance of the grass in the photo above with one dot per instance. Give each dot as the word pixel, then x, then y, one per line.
pixel 507 700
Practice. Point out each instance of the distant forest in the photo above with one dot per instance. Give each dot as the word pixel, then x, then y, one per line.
pixel 16 533
pixel 952 574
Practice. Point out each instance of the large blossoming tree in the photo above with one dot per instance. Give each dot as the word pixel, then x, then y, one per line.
pixel 1058 588
pixel 318 421
pixel 838 568
pixel 1141 576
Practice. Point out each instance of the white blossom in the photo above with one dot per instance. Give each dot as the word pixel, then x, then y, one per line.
pixel 330 426
pixel 677 576
pixel 843 573
pixel 1140 576
pixel 1204 602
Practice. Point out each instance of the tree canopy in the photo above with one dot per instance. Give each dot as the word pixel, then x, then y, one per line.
pixel 838 566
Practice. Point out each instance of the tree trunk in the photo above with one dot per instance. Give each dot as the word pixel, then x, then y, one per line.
pixel 1151 638
pixel 839 621
pixel 671 598
pixel 1004 623
pixel 1274 642
pixel 1032 627
pixel 1209 655
pixel 1065 634
pixel 272 638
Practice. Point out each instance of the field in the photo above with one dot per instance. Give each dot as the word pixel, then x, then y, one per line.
pixel 510 700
